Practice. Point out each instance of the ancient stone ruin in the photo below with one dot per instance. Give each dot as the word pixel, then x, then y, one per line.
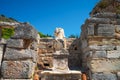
pixel 95 55
pixel 19 53
pixel 60 69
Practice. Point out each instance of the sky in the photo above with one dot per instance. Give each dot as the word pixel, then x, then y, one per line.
pixel 46 15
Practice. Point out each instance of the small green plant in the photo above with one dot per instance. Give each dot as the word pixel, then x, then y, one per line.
pixel 43 35
pixel 7 32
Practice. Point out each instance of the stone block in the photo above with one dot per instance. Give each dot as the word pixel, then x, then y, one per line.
pixel 17 69
pixel 105 30
pixel 90 29
pixel 104 76
pixel 102 47
pixel 104 65
pixel 84 43
pixel 105 15
pixel 25 31
pixel 53 75
pixel 15 43
pixel 94 54
pixel 113 54
pixel 99 20
pixel 99 54
pixel 19 54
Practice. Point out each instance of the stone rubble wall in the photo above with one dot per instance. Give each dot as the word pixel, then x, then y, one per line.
pixel 18 56
pixel 100 46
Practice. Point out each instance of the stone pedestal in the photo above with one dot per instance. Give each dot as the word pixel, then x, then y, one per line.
pixel 60 61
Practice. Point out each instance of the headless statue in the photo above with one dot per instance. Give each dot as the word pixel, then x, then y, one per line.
pixel 59 35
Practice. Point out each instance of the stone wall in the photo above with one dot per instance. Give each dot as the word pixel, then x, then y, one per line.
pixel 19 54
pixel 100 46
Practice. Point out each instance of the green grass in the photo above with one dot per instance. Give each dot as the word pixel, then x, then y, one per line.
pixel 7 32
pixel 43 35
